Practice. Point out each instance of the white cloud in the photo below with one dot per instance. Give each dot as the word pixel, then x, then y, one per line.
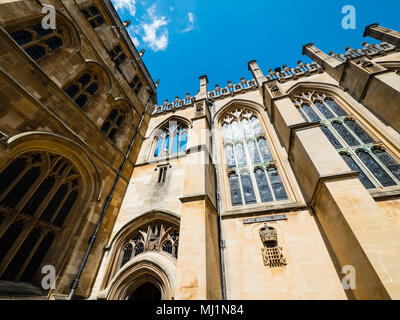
pixel 133 34
pixel 191 22
pixel 130 5
pixel 155 32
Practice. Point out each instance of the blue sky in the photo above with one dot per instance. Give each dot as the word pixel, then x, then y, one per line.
pixel 185 39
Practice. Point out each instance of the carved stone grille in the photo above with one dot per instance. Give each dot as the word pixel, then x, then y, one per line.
pixel 155 237
pixel 271 252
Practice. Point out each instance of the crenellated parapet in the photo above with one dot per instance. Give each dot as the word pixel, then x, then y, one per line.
pixel 286 73
pixel 369 50
pixel 232 89
pixel 174 105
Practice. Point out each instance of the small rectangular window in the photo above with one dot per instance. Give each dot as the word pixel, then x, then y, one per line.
pixel 93 15
pixel 136 84
pixel 162 174
pixel 117 55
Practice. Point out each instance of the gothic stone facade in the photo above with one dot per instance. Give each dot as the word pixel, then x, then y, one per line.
pixel 264 189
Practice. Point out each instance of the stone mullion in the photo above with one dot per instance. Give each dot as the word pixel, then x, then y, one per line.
pixel 28 227
pixel 60 206
pixel 269 182
pixel 16 212
pixel 28 259
pixel 28 195
pixel 49 197
pixel 12 185
pixel 350 150
pixel 384 167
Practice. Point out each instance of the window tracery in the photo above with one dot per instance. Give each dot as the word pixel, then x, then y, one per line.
pixel 38 42
pixel 155 237
pixel 171 139
pixel 249 161
pixel 83 89
pixel 37 194
pixel 357 148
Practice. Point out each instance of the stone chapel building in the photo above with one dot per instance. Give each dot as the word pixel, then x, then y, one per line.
pixel 271 188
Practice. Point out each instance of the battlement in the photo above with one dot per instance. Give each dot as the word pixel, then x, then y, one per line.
pixel 285 73
pixel 176 104
pixel 368 50
pixel 232 89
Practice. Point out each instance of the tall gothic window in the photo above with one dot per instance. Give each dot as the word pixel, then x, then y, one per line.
pixel 172 139
pixel 38 42
pixel 252 172
pixel 113 123
pixel 156 237
pixel 82 90
pixel 355 145
pixel 38 191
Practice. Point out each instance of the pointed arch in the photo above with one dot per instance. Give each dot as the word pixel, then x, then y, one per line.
pixel 249 152
pixel 134 232
pixel 40 43
pixel 50 190
pixel 89 83
pixel 170 137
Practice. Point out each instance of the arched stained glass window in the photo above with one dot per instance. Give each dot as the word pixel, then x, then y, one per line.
pixel 38 42
pixel 83 89
pixel 172 139
pixel 248 158
pixel 377 168
pixel 157 236
pixel 38 186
